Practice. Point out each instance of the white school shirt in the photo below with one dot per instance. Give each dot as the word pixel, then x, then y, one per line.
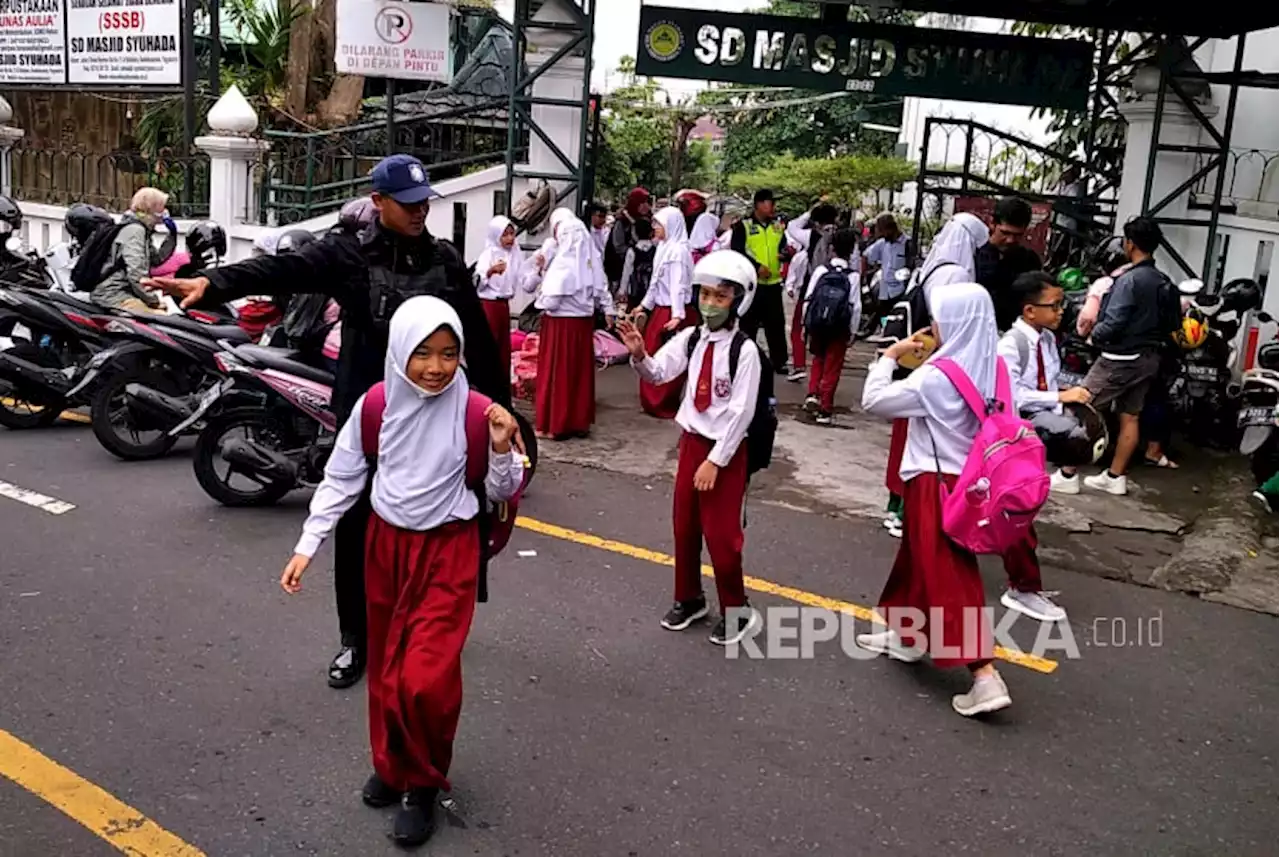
pixel 890 256
pixel 1027 396
pixel 583 303
pixel 347 472
pixel 885 397
pixel 501 286
pixel 670 291
pixel 798 231
pixel 797 273
pixel 733 402
pixel 855 292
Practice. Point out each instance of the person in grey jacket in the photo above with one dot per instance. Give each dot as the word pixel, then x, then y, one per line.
pixel 131 256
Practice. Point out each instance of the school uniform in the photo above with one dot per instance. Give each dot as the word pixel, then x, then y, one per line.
pixel 828 355
pixel 669 296
pixel 572 289
pixel 796 283
pixel 497 291
pixel 715 411
pixel 930 570
pixel 422 557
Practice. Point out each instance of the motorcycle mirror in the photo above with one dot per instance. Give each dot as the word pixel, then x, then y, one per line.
pixel 13 244
pixel 902 275
pixel 1265 317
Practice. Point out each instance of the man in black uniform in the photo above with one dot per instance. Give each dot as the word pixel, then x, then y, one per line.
pixel 369 273
pixel 1004 257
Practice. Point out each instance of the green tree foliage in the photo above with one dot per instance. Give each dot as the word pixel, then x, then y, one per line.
pixel 798 182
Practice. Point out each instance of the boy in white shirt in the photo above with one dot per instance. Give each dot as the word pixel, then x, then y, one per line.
pixel 829 338
pixel 711 475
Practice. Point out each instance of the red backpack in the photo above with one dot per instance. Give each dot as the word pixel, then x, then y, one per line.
pixel 496 522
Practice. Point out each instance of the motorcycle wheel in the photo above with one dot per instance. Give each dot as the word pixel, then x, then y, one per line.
pixel 18 413
pixel 530 444
pixel 122 439
pixel 208 453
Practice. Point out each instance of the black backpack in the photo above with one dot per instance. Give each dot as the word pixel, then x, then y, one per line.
pixel 827 316
pixel 764 422
pixel 641 274
pixel 896 327
pixel 91 267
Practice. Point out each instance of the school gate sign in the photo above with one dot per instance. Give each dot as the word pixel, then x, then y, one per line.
pixel 885 59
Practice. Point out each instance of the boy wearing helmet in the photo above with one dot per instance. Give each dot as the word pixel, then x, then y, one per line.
pixel 716 409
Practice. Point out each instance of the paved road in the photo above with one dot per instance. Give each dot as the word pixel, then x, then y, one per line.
pixel 160 661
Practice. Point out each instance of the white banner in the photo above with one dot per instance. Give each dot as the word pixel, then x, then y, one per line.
pixel 124 42
pixel 31 42
pixel 390 38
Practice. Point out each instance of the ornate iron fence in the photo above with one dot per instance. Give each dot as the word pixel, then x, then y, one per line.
pixel 1251 176
pixel 61 177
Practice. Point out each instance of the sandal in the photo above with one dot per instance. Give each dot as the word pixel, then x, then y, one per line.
pixel 1163 462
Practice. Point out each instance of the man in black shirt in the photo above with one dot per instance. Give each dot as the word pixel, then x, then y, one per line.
pixel 369 274
pixel 1004 257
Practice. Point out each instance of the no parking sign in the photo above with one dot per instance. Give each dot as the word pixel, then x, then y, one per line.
pixel 390 38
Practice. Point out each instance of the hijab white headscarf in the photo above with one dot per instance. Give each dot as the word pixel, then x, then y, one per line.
pixel 967 324
pixel 420 482
pixel 494 252
pixel 705 231
pixel 576 267
pixel 673 250
pixel 957 243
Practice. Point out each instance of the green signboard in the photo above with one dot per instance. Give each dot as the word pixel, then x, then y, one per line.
pixel 884 59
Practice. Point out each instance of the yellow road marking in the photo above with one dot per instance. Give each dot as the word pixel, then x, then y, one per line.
pixel 756 584
pixel 119 824
pixel 69 416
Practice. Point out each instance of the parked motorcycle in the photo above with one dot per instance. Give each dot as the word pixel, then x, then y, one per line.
pixel 1259 414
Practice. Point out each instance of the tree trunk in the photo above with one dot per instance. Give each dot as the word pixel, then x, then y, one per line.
pixel 684 127
pixel 301 36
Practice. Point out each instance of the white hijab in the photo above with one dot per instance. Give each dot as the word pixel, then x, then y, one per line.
pixel 957 243
pixel 967 324
pixel 494 252
pixel 674 248
pixel 420 482
pixel 705 230
pixel 576 267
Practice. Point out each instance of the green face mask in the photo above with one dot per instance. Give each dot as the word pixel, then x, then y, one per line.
pixel 714 316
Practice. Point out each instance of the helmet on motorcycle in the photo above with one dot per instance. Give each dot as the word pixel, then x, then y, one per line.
pixel 206 237
pixel 1075 437
pixel 1108 255
pixel 1071 279
pixel 1194 331
pixel 10 215
pixel 728 268
pixel 1241 295
pixel 293 241
pixel 357 214
pixel 83 220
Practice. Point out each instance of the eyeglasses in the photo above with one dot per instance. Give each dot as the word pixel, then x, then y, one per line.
pixel 1056 305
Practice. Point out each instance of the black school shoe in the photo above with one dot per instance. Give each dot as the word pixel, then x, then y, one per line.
pixel 684 613
pixel 378 794
pixel 415 822
pixel 347 666
pixel 729 633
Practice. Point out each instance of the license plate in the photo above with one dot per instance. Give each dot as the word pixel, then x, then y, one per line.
pixel 1256 417
pixel 1202 373
pixel 1067 380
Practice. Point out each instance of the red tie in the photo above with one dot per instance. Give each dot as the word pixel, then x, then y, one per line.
pixel 702 393
pixel 1041 383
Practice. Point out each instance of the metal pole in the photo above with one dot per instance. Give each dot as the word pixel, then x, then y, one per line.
pixel 589 7
pixel 1216 207
pixel 924 165
pixel 391 116
pixel 517 39
pixel 1162 57
pixel 215 49
pixel 188 97
pixel 1095 114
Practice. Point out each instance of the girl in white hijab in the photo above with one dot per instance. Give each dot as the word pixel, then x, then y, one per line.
pixel 706 229
pixel 932 577
pixel 572 289
pixel 423 556
pixel 499 268
pixel 664 307
pixel 951 259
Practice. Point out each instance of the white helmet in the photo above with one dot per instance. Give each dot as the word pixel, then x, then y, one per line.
pixel 728 268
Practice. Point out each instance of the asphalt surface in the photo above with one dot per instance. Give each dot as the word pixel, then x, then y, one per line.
pixel 148 647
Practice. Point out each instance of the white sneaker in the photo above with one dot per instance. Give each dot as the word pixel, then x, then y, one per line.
pixel 887 643
pixel 1034 604
pixel 895 531
pixel 1104 481
pixel 796 376
pixel 1060 483
pixel 987 694
pixel 892 521
pixel 811 404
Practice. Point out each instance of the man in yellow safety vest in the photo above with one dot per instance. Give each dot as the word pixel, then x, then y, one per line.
pixel 761 239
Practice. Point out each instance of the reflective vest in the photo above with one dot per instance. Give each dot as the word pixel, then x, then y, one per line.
pixel 762 244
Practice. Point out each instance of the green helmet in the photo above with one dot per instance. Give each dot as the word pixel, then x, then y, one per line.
pixel 1071 279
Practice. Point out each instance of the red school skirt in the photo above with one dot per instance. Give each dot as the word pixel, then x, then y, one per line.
pixel 661 400
pixel 565 403
pixel 897 446
pixel 498 314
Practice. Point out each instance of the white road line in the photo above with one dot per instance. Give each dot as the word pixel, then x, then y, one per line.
pixel 52 505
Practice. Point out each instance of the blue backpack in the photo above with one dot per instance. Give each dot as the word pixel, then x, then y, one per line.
pixel 828 315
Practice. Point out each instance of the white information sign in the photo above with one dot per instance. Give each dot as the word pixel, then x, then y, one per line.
pixel 124 42
pixel 391 38
pixel 32 49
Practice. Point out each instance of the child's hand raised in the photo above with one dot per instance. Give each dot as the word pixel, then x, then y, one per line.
pixel 291 579
pixel 631 338
pixel 913 343
pixel 502 427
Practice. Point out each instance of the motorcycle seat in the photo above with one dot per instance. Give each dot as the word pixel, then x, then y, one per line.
pixel 232 332
pixel 283 360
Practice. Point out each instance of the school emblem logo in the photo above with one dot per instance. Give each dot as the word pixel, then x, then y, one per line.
pixel 664 41
pixel 416 173
pixel 723 388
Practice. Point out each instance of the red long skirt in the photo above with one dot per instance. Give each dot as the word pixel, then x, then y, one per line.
pixel 565 404
pixel 420 590
pixel 937 582
pixel 897 446
pixel 661 400
pixel 498 312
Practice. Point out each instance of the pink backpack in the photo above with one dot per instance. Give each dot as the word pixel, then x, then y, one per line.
pixel 1003 485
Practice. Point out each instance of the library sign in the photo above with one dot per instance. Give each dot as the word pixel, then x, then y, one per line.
pixel 884 59
pixel 91 43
